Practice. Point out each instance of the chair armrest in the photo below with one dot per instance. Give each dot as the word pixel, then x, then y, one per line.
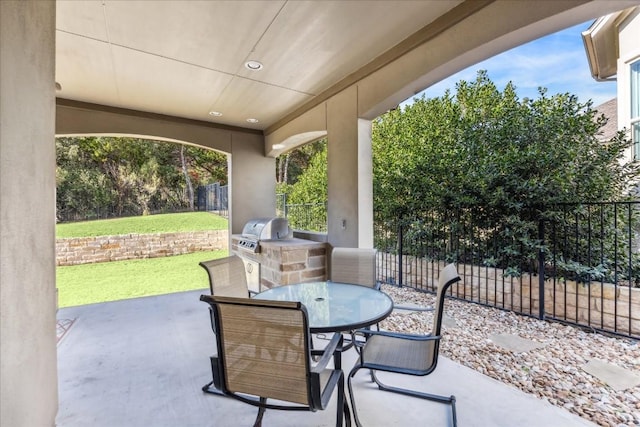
pixel 252 293
pixel 412 308
pixel 327 353
pixel 415 337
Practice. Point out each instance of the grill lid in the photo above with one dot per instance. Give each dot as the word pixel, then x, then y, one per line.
pixel 266 229
pixel 259 229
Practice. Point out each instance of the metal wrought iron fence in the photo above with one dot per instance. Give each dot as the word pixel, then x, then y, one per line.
pixel 303 216
pixel 307 216
pixel 110 212
pixel 213 197
pixel 575 263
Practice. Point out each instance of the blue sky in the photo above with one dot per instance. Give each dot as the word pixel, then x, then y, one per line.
pixel 557 62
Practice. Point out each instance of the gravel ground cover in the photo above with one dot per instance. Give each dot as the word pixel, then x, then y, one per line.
pixel 553 372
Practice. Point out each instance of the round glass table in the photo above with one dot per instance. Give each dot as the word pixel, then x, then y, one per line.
pixel 334 307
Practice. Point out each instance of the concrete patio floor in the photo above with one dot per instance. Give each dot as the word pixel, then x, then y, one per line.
pixel 142 362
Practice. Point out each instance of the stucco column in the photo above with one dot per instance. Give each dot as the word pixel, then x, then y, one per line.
pixel 349 173
pixel 252 181
pixel 28 378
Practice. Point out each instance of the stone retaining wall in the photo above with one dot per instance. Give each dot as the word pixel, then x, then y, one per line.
pixel 86 250
pixel 598 305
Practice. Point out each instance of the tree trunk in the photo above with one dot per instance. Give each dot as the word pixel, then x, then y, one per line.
pixel 285 172
pixel 186 177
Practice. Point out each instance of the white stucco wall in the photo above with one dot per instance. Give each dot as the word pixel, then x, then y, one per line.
pixel 629 52
pixel 349 173
pixel 81 119
pixel 28 364
pixel 252 181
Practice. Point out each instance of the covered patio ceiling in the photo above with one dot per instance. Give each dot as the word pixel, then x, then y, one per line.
pixel 188 59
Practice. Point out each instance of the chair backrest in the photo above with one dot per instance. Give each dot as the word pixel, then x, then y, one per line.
pixel 448 276
pixel 263 348
pixel 354 265
pixel 227 276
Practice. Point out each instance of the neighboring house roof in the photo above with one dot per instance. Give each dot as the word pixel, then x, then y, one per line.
pixel 610 111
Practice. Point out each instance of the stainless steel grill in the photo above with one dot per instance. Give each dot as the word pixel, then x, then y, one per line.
pixel 260 229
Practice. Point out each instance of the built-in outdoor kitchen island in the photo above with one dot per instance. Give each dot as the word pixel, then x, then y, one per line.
pixel 274 257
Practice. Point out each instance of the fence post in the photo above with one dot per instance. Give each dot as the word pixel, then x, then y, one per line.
pixel 285 205
pixel 400 254
pixel 217 204
pixel 200 197
pixel 541 272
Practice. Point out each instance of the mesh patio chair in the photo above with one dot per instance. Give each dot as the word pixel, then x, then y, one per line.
pixel 406 353
pixel 358 266
pixel 264 353
pixel 228 278
pixel 354 265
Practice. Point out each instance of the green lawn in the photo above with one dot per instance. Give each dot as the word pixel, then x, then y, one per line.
pixel 111 281
pixel 162 223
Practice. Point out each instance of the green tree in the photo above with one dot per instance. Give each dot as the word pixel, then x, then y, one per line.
pixel 108 176
pixel 495 160
pixel 80 182
pixel 487 147
pixel 206 166
pixel 291 165
pixel 307 198
pixel 311 186
pixel 485 157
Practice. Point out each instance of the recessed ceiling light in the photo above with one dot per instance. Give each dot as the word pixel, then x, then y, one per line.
pixel 252 120
pixel 277 146
pixel 253 65
pixel 215 113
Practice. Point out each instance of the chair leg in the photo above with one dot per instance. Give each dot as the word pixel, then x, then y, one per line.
pixel 210 388
pixel 351 397
pixel 342 406
pixel 340 403
pixel 451 400
pixel 453 411
pixel 347 413
pixel 261 409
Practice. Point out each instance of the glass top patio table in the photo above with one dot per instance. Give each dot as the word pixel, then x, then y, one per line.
pixel 334 307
